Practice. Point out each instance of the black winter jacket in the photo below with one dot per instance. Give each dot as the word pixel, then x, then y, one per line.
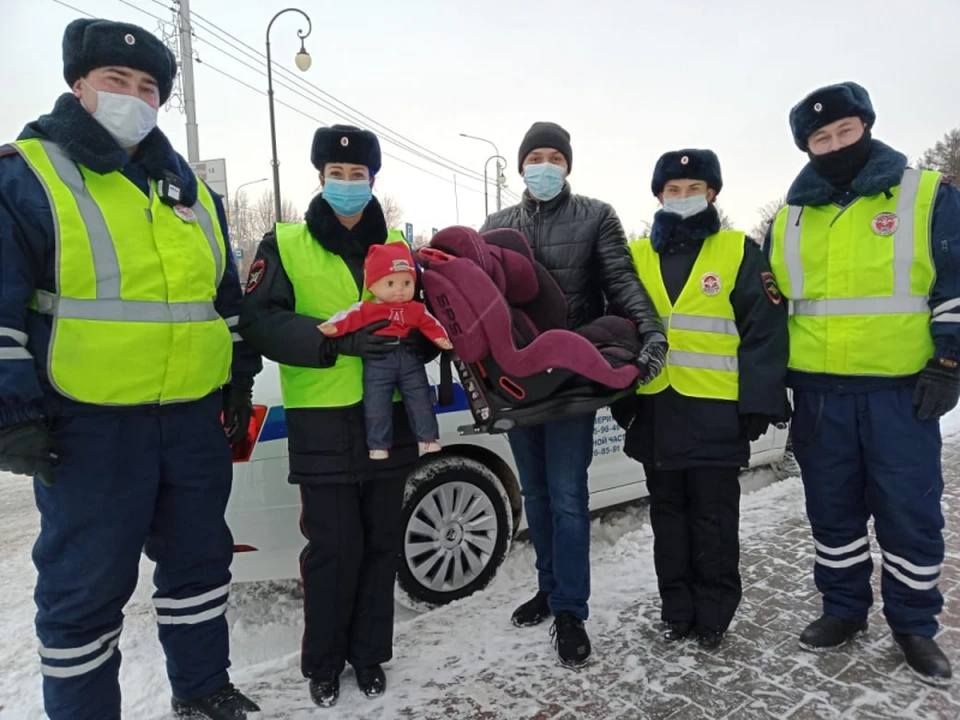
pixel 581 242
pixel 671 431
pixel 327 445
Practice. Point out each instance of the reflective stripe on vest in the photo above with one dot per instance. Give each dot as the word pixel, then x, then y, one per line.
pixel 322 286
pixel 133 315
pixel 701 328
pixel 859 278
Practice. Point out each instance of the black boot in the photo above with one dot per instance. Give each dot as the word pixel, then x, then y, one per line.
pixel 829 631
pixel 533 611
pixel 227 703
pixel 709 639
pixel 676 630
pixel 372 681
pixel 325 688
pixel 925 659
pixel 570 640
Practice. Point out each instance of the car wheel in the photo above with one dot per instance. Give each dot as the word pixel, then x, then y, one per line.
pixel 457 529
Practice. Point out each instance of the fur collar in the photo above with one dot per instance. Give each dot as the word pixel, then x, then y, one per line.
pixel 671 232
pixel 884 170
pixel 327 229
pixel 85 142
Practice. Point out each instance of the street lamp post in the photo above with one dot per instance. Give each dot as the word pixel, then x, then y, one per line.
pixel 243 185
pixel 303 62
pixel 486 198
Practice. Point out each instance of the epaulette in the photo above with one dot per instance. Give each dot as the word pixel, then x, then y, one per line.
pixel 7 150
pixel 944 179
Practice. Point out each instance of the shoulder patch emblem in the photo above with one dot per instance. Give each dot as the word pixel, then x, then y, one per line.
pixel 255 275
pixel 710 284
pixel 771 288
pixel 885 223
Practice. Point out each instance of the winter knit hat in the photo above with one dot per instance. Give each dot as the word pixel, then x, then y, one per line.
pixel 345 144
pixel 829 104
pixel 89 44
pixel 687 165
pixel 546 135
pixel 383 260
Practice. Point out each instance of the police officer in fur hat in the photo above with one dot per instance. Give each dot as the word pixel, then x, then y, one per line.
pixel 866 252
pixel 351 517
pixel 116 362
pixel 722 387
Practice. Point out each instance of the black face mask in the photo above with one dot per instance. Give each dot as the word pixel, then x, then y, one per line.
pixel 842 166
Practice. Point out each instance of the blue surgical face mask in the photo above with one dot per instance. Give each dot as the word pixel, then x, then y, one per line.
pixel 686 207
pixel 347 197
pixel 544 180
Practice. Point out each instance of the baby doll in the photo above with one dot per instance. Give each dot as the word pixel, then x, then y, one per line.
pixel 390 276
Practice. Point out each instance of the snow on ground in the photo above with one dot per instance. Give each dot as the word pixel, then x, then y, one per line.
pixel 431 649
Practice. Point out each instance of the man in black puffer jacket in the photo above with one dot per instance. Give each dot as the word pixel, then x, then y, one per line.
pixel 581 242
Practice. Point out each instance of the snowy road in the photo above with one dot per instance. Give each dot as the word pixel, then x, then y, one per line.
pixel 467 661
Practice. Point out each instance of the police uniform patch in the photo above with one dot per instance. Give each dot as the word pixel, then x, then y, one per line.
pixel 257 271
pixel 710 284
pixel 771 288
pixel 185 213
pixel 885 223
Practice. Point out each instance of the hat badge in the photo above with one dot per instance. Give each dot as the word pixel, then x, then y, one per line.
pixel 129 39
pixel 818 107
pixel 684 160
pixel 344 141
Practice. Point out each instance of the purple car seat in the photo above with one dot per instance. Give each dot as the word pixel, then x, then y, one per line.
pixel 506 317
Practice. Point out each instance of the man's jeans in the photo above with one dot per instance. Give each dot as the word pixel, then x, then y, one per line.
pixel 553 459
pixel 405 372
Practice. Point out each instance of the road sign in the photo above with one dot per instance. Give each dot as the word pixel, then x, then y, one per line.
pixel 213 173
pixel 238 253
pixel 410 233
pixel 434 232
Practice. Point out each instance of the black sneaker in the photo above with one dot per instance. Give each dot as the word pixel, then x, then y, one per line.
pixel 227 703
pixel 709 639
pixel 372 681
pixel 570 640
pixel 925 659
pixel 533 611
pixel 829 632
pixel 325 688
pixel 676 630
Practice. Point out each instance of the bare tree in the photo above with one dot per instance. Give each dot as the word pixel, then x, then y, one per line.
pixel 944 156
pixel 250 221
pixel 391 211
pixel 767 215
pixel 645 228
pixel 725 222
pixel 421 239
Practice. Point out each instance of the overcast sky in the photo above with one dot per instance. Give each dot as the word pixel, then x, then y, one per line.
pixel 630 79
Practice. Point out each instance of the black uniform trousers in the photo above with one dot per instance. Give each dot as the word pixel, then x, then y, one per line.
pixel 695 515
pixel 352 518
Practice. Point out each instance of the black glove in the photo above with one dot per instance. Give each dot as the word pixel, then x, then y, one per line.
pixel 753 426
pixel 364 344
pixel 938 389
pixel 27 449
pixel 418 344
pixel 653 356
pixel 237 411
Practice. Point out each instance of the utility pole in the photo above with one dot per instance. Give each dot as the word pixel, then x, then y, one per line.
pixel 189 93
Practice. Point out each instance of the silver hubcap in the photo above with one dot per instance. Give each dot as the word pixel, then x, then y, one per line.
pixel 450 536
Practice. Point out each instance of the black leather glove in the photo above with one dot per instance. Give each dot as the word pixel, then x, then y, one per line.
pixel 753 426
pixel 27 449
pixel 364 344
pixel 418 344
pixel 938 389
pixel 653 356
pixel 237 411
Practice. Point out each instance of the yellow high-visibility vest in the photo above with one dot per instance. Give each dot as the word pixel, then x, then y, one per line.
pixel 133 313
pixel 858 281
pixel 701 327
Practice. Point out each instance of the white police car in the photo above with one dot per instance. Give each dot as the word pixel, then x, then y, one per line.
pixel 462 507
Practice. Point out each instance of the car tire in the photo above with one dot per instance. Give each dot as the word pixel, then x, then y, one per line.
pixel 457 530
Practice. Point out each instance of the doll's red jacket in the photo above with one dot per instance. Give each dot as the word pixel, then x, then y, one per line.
pixel 402 316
